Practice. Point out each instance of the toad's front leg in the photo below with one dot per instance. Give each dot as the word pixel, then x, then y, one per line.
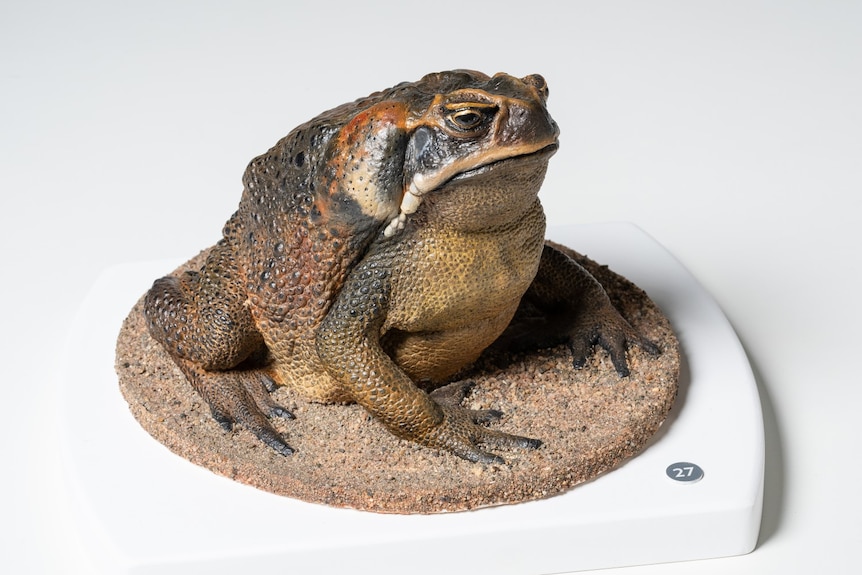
pixel 348 343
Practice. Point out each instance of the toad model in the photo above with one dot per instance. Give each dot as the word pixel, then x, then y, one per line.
pixel 379 249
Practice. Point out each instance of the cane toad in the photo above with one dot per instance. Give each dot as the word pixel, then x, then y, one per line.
pixel 377 250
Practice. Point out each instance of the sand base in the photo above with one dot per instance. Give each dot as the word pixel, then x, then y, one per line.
pixel 590 421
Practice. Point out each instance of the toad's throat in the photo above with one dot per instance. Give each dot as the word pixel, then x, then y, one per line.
pixel 421 184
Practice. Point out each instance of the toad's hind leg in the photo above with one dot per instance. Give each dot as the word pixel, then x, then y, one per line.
pixel 200 318
pixel 566 303
pixel 240 396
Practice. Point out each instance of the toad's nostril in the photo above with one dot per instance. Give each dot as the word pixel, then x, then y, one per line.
pixel 538 82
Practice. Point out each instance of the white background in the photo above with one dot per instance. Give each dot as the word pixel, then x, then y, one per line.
pixel 730 131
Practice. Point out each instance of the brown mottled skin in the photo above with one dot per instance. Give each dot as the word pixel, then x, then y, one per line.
pixel 318 283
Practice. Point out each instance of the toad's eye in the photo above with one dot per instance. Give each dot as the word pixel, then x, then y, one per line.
pixel 468 119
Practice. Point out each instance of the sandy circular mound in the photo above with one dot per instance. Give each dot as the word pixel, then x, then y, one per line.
pixel 590 420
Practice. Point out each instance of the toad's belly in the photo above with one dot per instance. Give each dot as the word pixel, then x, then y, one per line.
pixel 455 293
pixel 433 356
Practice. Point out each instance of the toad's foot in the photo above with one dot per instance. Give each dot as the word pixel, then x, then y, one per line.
pixel 567 304
pixel 241 397
pixel 605 327
pixel 461 432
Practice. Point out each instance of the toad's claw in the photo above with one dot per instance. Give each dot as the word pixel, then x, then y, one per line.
pixel 460 431
pixel 615 335
pixel 241 398
pixel 461 435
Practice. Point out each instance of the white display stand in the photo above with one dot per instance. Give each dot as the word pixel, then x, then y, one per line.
pixel 141 509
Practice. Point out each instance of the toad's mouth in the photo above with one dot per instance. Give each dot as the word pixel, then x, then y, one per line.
pixel 541 153
pixel 421 185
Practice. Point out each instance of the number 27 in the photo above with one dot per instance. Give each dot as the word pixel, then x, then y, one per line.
pixel 682 472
